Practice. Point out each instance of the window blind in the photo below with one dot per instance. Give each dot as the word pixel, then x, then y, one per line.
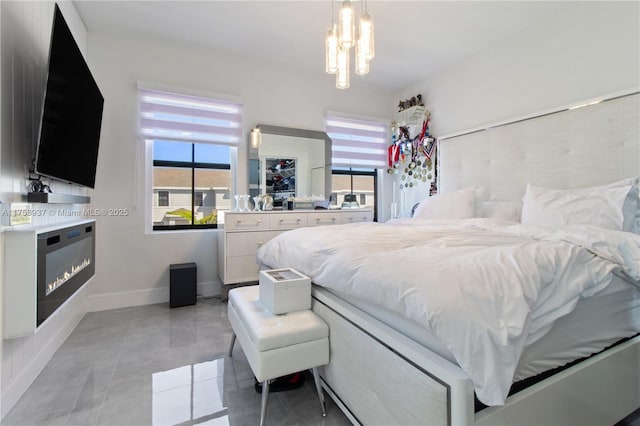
pixel 176 117
pixel 357 143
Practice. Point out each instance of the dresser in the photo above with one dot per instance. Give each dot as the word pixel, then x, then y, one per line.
pixel 242 233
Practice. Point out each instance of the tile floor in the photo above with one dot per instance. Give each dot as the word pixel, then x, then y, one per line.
pixel 154 365
pixel 151 365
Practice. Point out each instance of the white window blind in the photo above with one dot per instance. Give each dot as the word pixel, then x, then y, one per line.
pixel 177 117
pixel 357 143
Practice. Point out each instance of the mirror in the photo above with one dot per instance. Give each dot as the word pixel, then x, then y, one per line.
pixel 290 163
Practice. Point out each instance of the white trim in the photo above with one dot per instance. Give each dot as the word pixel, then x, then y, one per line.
pixel 124 299
pixel 149 296
pixel 574 105
pixel 209 289
pixel 148 186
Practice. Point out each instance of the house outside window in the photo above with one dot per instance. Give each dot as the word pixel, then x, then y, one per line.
pixel 192 140
pixel 196 181
pixel 359 148
pixel 362 182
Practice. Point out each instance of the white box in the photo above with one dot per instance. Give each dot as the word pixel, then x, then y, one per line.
pixel 285 290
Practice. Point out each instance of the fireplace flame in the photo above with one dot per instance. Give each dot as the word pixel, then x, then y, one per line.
pixel 66 276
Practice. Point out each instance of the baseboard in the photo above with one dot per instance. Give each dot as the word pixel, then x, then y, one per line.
pixel 124 299
pixel 209 289
pixel 21 383
pixel 149 296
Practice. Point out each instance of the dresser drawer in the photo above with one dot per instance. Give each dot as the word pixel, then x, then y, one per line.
pixel 319 219
pixel 246 243
pixel 246 222
pixel 288 220
pixel 240 269
pixel 354 217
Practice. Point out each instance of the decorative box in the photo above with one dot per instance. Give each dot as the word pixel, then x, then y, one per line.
pixel 299 205
pixel 285 290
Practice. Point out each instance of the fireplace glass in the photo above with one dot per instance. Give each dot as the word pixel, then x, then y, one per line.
pixel 65 262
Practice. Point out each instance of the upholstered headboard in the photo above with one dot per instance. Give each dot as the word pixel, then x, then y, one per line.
pixel 572 147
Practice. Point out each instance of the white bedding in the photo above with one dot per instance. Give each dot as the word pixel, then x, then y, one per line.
pixel 596 323
pixel 484 290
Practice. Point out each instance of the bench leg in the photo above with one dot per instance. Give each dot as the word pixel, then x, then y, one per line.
pixel 316 378
pixel 233 341
pixel 265 397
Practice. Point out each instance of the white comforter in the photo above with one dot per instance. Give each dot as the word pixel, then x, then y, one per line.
pixel 484 290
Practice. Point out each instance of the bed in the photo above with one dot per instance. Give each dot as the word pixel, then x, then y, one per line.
pixel 411 366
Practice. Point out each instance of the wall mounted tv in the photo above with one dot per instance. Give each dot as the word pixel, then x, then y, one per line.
pixel 72 113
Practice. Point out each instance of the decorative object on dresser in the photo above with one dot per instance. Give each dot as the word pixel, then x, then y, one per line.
pixel 243 233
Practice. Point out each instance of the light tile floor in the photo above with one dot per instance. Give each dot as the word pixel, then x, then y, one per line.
pixel 154 365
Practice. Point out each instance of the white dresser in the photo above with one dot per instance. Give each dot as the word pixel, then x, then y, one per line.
pixel 242 233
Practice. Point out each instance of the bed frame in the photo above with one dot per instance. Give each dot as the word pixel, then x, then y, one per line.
pixel 379 376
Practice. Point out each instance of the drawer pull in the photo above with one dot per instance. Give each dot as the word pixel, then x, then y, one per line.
pixel 260 243
pixel 239 222
pixel 282 222
pixel 318 220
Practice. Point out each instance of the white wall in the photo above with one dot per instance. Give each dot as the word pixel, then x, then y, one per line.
pixel 132 266
pixel 25 35
pixel 591 49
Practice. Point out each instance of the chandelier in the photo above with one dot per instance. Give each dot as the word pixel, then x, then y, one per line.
pixel 342 37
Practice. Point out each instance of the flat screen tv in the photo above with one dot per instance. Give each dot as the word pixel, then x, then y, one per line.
pixel 72 113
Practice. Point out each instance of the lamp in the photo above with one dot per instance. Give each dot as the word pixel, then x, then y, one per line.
pixel 342 37
pixel 256 137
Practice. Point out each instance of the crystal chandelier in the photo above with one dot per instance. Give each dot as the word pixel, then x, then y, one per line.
pixel 342 37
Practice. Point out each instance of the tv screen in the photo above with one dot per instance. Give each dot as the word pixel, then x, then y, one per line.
pixel 72 112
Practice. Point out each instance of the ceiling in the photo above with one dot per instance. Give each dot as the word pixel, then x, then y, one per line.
pixel 413 38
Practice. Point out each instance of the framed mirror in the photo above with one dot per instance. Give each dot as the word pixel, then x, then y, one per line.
pixel 290 163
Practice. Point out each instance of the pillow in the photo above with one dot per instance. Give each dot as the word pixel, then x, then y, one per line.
pixel 502 210
pixel 631 206
pixel 481 195
pixel 589 206
pixel 451 205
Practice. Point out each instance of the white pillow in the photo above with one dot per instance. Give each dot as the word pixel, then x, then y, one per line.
pixel 631 206
pixel 481 196
pixel 451 205
pixel 589 206
pixel 503 210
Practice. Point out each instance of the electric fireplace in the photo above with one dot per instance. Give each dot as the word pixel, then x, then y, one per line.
pixel 65 261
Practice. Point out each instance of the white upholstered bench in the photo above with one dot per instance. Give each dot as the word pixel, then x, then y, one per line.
pixel 277 345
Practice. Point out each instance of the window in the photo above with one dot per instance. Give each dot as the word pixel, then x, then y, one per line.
pixel 199 199
pixel 359 148
pixel 363 182
pixel 192 139
pixel 186 182
pixel 163 198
